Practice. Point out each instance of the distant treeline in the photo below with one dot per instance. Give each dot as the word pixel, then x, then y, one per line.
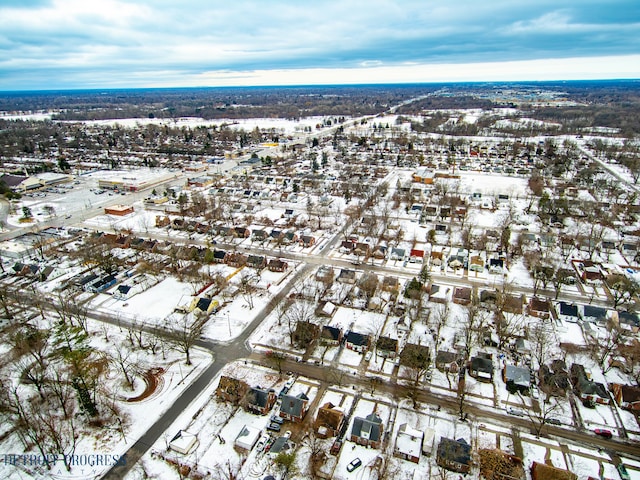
pixel 612 104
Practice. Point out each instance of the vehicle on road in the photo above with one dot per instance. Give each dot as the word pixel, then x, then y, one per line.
pixel 355 463
pixel 603 432
pixel 515 411
pixel 553 421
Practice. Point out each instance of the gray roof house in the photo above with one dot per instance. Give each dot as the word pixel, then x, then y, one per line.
pixel 367 431
pixel 294 408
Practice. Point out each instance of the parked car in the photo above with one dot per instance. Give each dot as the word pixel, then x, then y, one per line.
pixel 274 427
pixel 515 411
pixel 368 356
pixel 355 463
pixel 276 419
pixel 287 434
pixel 284 391
pixel 603 432
pixel 262 443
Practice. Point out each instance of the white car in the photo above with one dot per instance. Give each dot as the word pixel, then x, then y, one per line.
pixel 368 356
pixel 262 442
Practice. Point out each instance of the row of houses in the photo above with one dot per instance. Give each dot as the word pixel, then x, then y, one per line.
pixel 285 237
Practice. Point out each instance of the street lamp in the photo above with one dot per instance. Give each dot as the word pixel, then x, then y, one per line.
pixel 229 324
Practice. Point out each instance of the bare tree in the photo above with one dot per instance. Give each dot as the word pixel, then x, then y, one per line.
pixel 299 311
pixel 247 286
pixel 122 357
pixel 438 320
pixel 185 330
pixel 277 359
pixel 540 417
pixel 317 455
pixel 541 337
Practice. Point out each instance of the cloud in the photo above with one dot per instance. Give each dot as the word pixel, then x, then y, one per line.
pixel 75 40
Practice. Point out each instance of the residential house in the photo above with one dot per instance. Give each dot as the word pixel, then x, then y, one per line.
pixel 219 256
pixel 416 255
pixel 540 308
pixel 276 235
pixel 626 396
pixel 242 232
pixel 231 389
pixel 277 265
pixel 305 333
pixel 591 313
pixel 347 276
pixel 329 421
pixel 567 312
pixel 280 445
pixel 481 367
pixel 462 295
pixel 259 235
pixel 436 258
pixel 307 241
pixel 347 246
pixel 438 293
pixel 476 264
pixel 415 355
pixel 102 284
pixel 511 303
pixel 205 305
pixel 517 378
pixel 362 249
pixel 390 284
pixel 496 266
pixel 162 221
pixel 454 455
pixel 324 274
pixel 258 262
pixel 408 443
pixel 330 335
pixel 424 175
pixel 586 389
pixel 380 252
pixel 235 259
pixel 289 238
pixel 358 342
pixel 629 320
pixel 294 408
pixel 260 401
pixel 447 361
pixel 367 431
pixel 554 379
pixel 542 471
pixel 398 254
pixel 387 347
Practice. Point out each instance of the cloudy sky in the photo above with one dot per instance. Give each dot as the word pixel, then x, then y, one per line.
pixel 52 44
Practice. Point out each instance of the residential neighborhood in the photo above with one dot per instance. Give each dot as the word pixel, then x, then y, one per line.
pixel 369 296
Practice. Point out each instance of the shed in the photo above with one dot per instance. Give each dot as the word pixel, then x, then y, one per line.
pixel 247 438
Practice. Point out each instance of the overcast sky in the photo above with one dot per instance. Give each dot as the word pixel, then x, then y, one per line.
pixel 171 43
